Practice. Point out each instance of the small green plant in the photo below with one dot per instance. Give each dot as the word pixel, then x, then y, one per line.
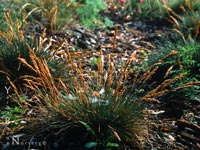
pixel 89 15
pixel 94 62
pixel 12 115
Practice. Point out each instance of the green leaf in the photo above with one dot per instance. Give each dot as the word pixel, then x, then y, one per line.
pixel 109 144
pixel 88 127
pixel 16 109
pixel 90 144
pixel 23 98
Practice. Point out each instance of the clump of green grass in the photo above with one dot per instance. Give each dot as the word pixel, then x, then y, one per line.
pixel 187 61
pixel 137 9
pixel 108 110
pixel 184 15
pixel 13 45
pixel 150 9
pixel 16 43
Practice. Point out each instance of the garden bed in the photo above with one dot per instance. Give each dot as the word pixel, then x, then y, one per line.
pixel 114 87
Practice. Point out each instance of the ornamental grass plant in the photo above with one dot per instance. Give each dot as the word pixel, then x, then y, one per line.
pixel 16 43
pixel 142 9
pixel 187 61
pixel 97 104
pixel 13 45
pixel 184 15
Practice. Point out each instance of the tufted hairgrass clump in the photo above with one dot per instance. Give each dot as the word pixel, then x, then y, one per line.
pixel 13 45
pixel 16 43
pixel 96 102
pixel 184 15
